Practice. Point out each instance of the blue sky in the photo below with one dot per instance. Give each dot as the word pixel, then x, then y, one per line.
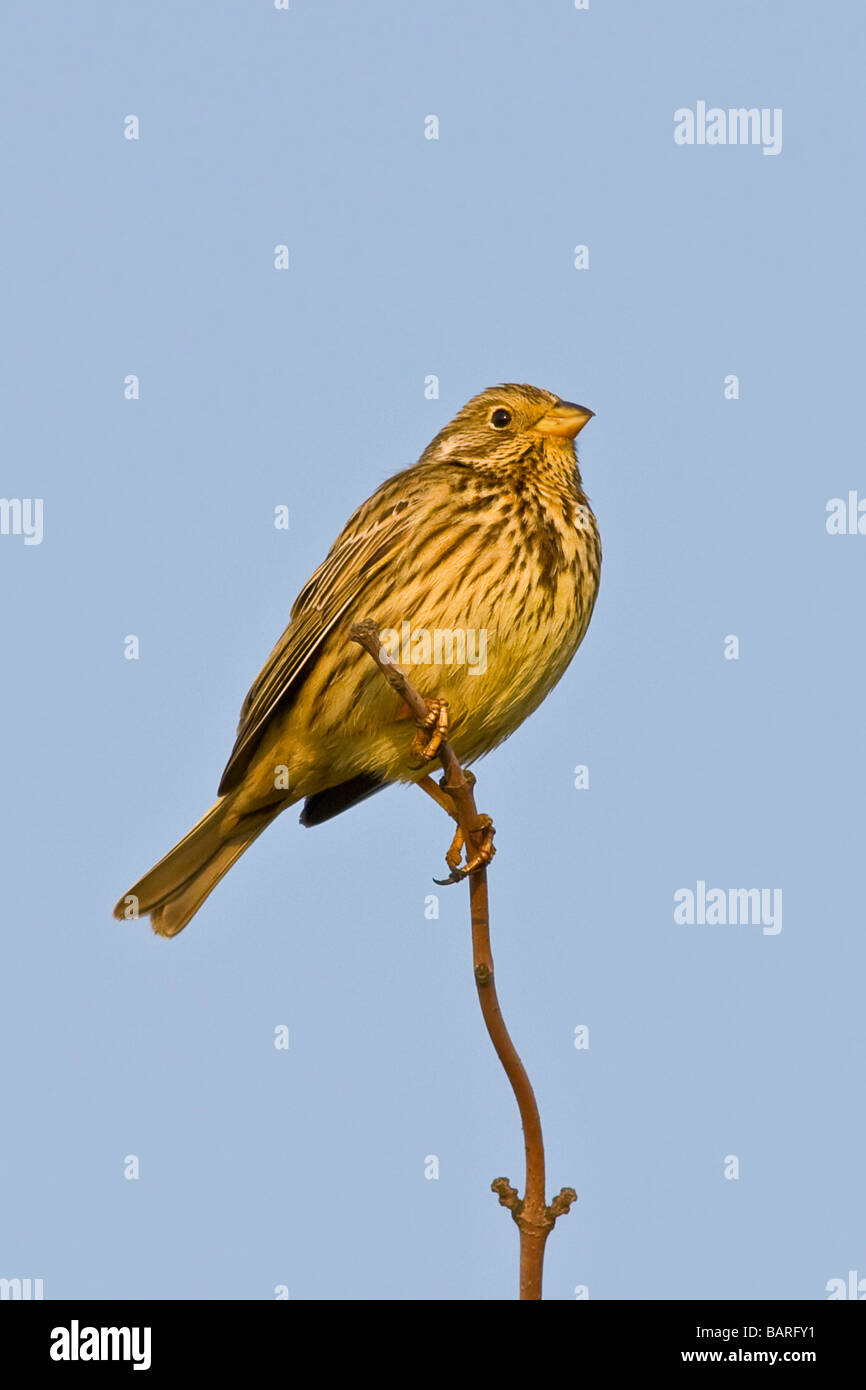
pixel 454 257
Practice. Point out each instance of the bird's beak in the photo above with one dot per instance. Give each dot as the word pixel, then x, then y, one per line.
pixel 565 419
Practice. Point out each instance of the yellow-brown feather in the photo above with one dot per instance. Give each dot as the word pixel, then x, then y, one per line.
pixel 488 533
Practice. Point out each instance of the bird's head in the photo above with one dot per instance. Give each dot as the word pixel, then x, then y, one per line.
pixel 498 427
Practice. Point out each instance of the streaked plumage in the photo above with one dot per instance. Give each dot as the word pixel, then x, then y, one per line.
pixel 490 530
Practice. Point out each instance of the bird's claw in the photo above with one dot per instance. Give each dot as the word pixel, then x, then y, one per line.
pixel 432 733
pixel 480 858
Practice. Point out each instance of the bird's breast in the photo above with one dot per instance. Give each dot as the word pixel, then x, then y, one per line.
pixel 508 598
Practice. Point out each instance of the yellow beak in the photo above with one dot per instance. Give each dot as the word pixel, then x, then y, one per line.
pixel 564 419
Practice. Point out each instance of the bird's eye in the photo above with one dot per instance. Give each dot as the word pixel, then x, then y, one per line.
pixel 500 418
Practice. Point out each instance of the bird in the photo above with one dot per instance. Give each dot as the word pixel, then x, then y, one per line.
pixel 491 536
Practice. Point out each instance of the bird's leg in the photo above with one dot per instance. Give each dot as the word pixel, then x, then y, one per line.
pixel 432 733
pixel 443 799
pixel 484 854
pixel 439 794
pixel 480 858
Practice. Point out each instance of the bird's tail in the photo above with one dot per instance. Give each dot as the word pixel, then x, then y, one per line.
pixel 175 888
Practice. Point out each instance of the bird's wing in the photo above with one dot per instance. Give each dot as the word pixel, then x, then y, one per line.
pixel 370 541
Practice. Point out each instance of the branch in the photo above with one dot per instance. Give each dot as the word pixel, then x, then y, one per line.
pixel 534 1218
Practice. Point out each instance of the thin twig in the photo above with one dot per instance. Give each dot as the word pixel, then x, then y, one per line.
pixel 534 1218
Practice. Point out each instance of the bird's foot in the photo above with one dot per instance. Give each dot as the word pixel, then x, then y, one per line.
pixel 431 734
pixel 482 856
